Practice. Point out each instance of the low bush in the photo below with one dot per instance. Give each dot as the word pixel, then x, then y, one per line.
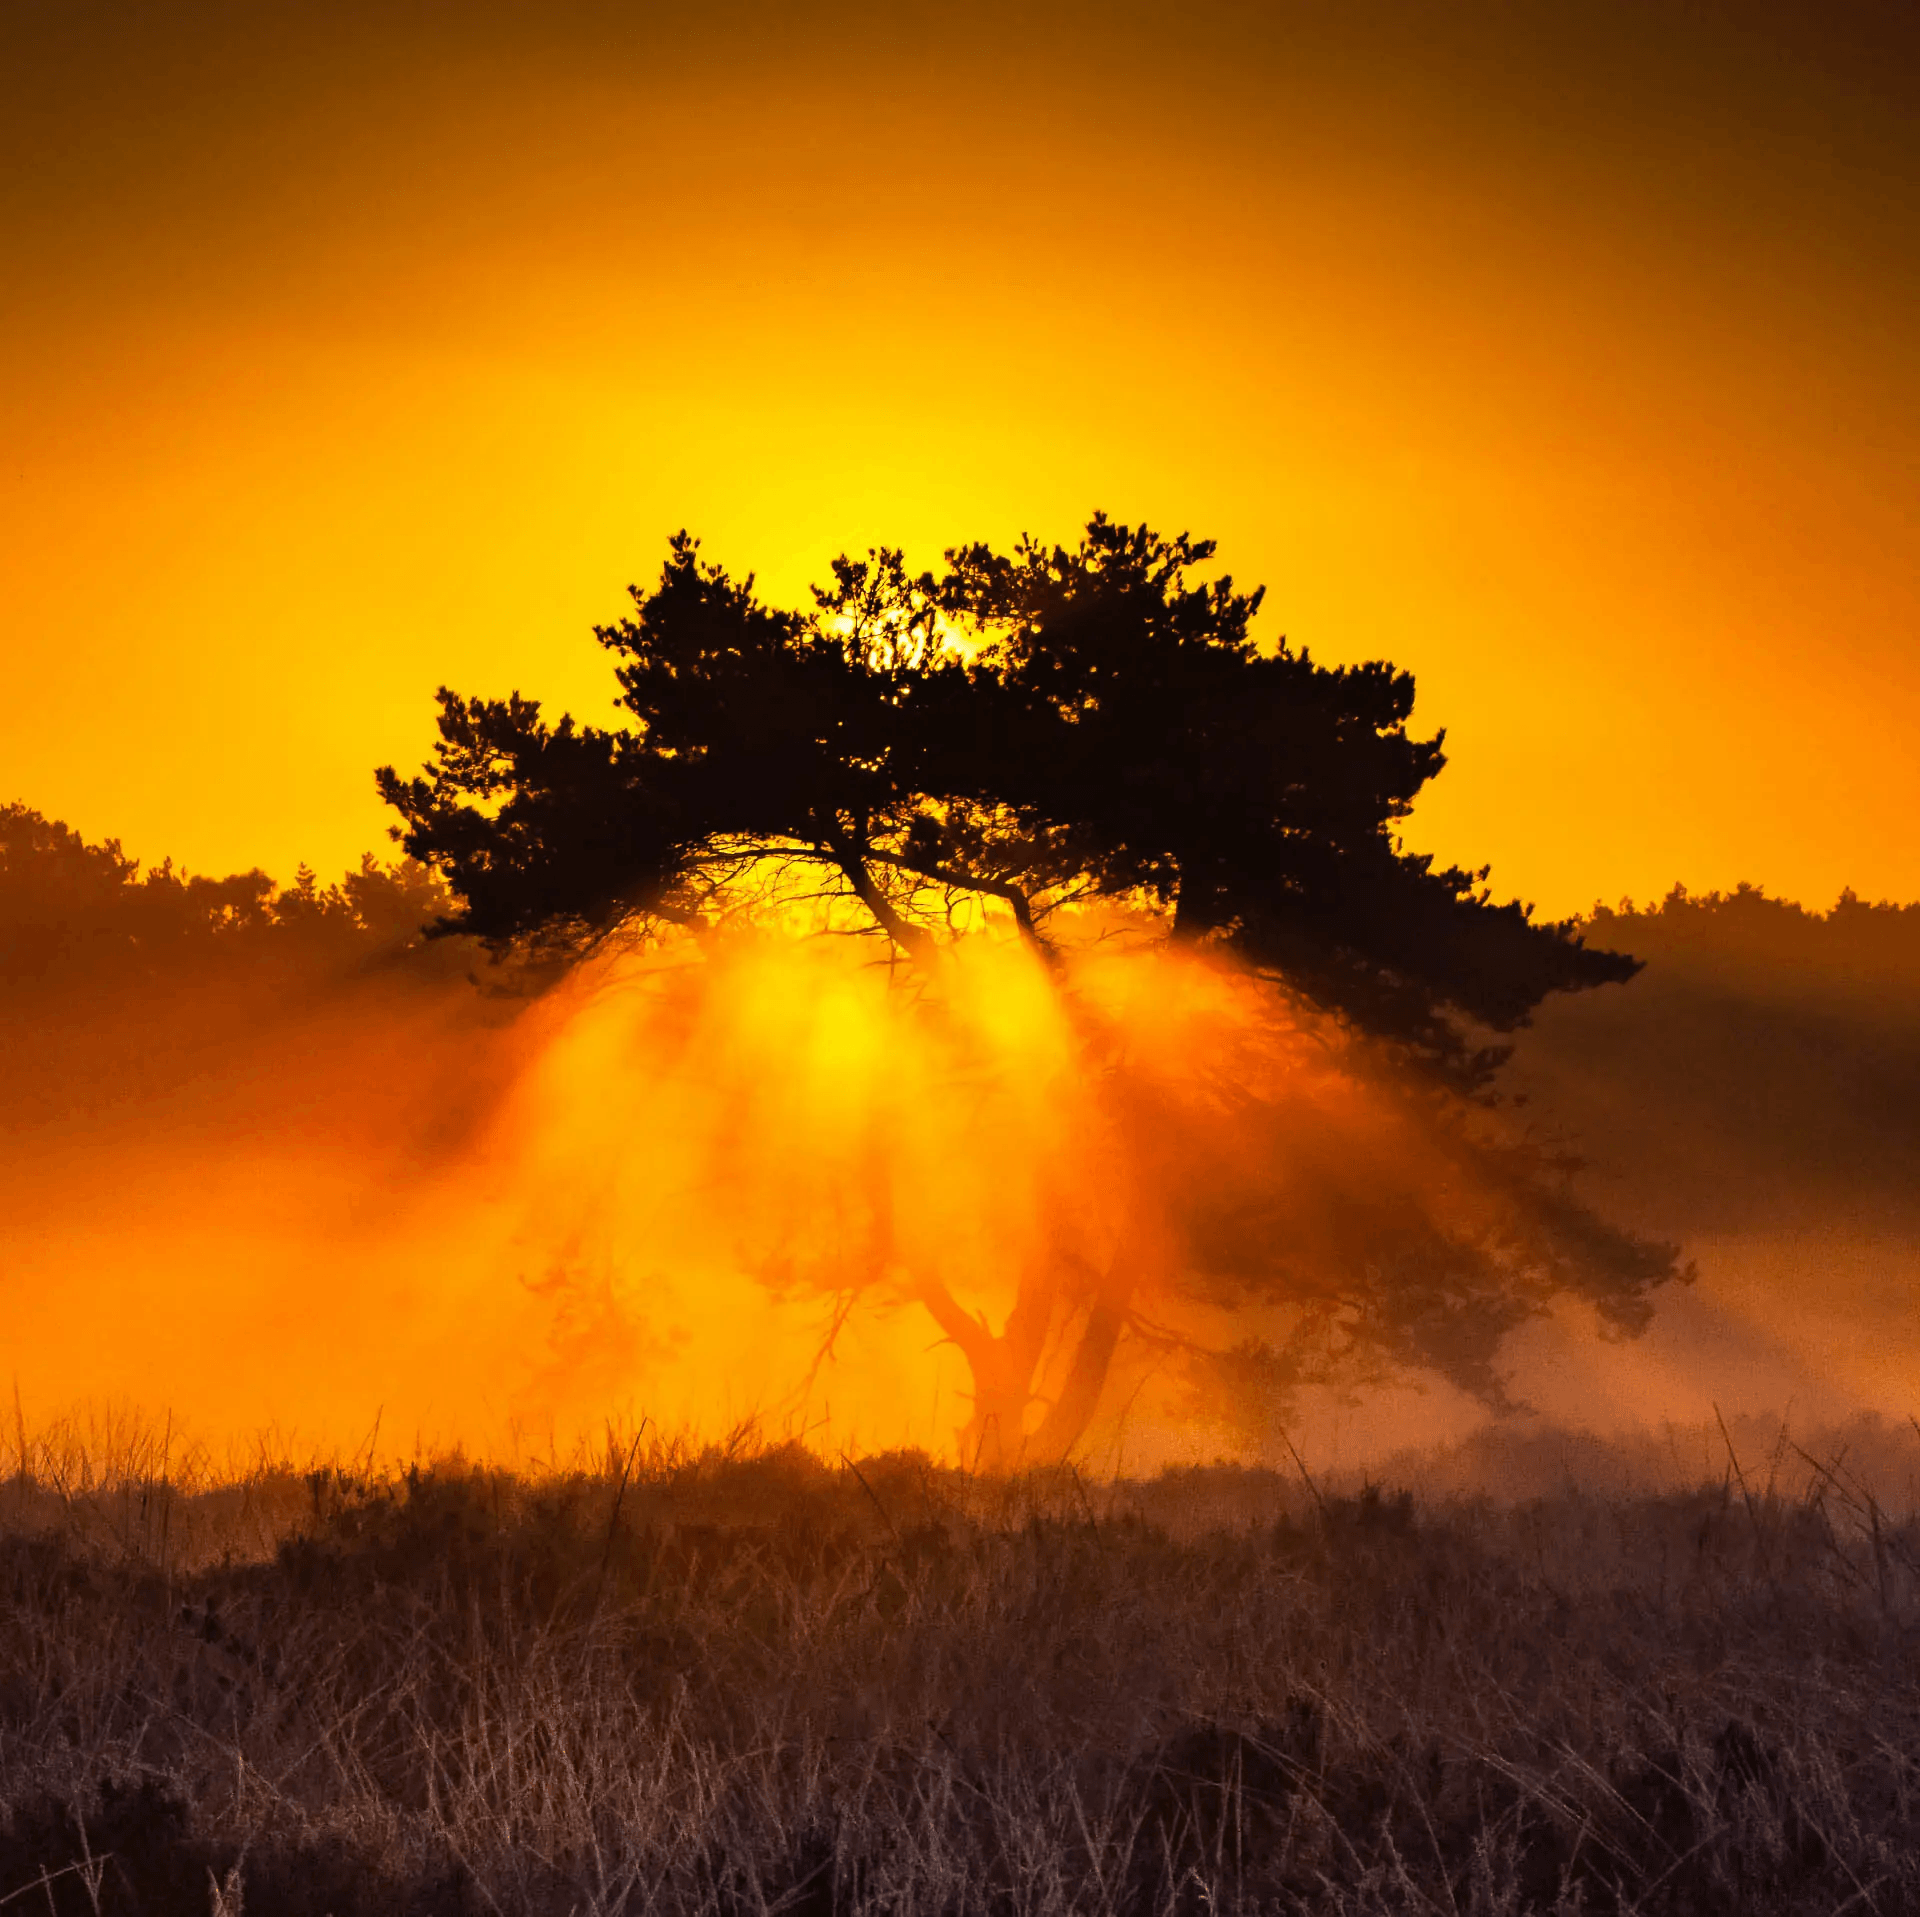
pixel 759 1684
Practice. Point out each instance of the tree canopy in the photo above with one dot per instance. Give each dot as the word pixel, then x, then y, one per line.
pixel 1039 729
pixel 1060 735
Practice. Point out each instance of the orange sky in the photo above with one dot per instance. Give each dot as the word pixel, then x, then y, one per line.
pixel 1565 359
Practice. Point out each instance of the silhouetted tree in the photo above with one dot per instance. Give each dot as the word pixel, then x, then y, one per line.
pixel 1035 732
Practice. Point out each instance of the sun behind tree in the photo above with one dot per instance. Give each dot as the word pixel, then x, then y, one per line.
pixel 1077 742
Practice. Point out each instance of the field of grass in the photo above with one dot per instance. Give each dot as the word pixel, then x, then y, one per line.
pixel 743 1682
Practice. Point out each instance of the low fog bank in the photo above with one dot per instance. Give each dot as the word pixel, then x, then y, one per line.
pixel 227 1107
pixel 127 1492
pixel 1862 1460
pixel 280 1170
pixel 276 1164
pixel 1755 1095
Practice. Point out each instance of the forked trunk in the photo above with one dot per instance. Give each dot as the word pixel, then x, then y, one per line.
pixel 1006 1373
pixel 1006 1366
pixel 1003 1368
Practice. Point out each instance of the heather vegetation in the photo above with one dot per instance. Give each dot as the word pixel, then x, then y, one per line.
pixel 743 1680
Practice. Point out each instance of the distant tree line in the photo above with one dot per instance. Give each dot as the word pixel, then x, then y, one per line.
pixel 1856 950
pixel 1763 1073
pixel 119 981
pixel 70 909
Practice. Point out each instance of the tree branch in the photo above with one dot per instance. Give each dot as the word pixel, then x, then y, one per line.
pixel 1002 889
pixel 973 1337
pixel 919 946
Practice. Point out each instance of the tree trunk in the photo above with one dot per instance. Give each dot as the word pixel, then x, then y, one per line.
pixel 1002 1367
pixel 1069 1415
pixel 1005 1367
pixel 993 1439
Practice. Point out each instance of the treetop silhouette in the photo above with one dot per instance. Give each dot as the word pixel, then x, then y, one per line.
pixel 1040 733
pixel 1042 729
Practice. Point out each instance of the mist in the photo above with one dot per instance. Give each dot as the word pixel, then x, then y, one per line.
pixel 281 1171
pixel 1755 1093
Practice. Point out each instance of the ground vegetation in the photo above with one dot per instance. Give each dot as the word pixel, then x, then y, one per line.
pixel 749 1681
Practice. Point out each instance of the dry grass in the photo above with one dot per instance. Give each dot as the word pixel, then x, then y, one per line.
pixel 751 1683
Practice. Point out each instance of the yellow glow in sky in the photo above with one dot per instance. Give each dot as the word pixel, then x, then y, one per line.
pixel 1564 360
